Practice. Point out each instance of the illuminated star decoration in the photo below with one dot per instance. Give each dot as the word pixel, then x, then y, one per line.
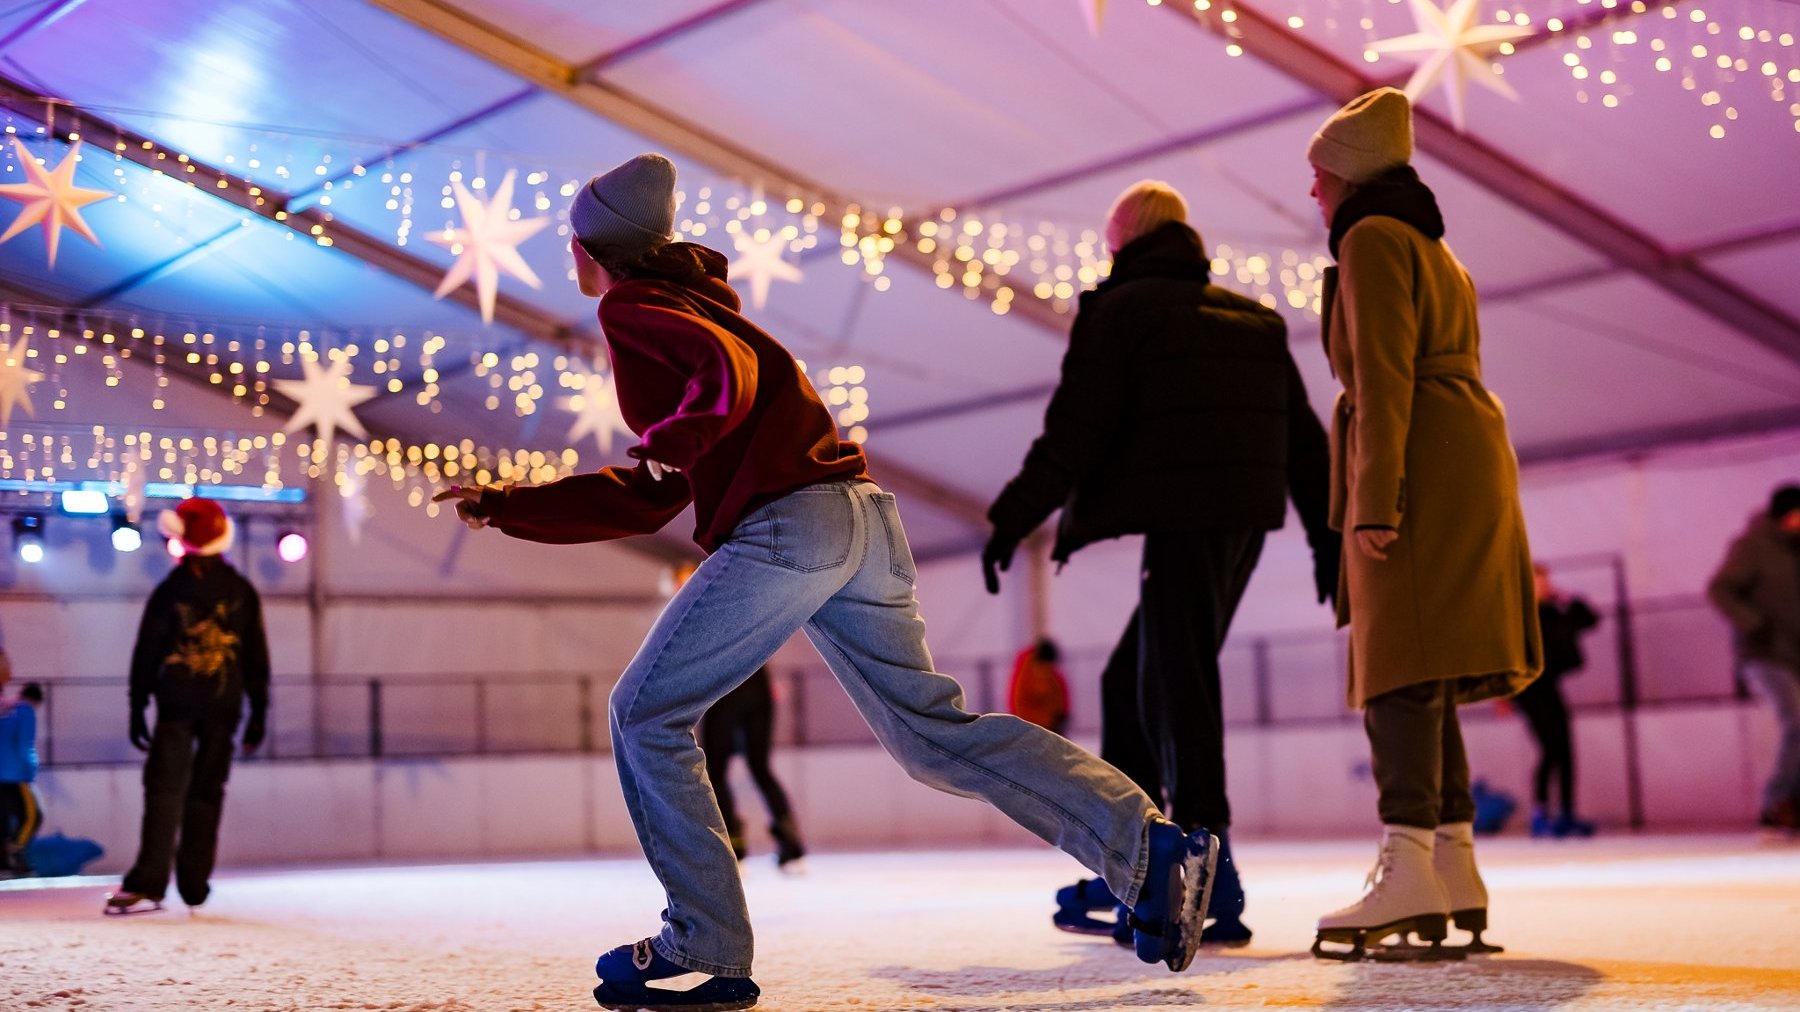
pixel 1095 12
pixel 1457 49
pixel 487 244
pixel 51 199
pixel 325 398
pixel 597 413
pixel 760 263
pixel 15 380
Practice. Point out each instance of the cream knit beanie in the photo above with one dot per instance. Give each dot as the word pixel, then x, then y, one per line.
pixel 1365 138
pixel 1143 206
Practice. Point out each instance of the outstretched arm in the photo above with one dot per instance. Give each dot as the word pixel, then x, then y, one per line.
pixel 612 503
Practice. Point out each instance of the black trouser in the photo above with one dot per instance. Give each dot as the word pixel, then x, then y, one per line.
pixel 19 819
pixel 1421 768
pixel 1548 716
pixel 1162 722
pixel 184 788
pixel 743 720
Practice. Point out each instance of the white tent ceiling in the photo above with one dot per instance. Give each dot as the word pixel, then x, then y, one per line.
pixel 1639 272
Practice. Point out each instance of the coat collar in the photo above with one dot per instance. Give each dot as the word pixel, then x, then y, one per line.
pixel 1171 250
pixel 1397 193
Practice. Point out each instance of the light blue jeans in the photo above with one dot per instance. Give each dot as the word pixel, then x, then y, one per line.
pixel 1779 685
pixel 832 559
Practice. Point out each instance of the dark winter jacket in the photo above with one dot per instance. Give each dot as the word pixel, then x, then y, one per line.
pixel 201 649
pixel 1179 409
pixel 1757 588
pixel 710 394
pixel 1563 623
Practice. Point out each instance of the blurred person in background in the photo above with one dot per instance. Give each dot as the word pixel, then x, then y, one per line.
pixel 1757 589
pixel 201 652
pixel 1564 618
pixel 20 815
pixel 1038 691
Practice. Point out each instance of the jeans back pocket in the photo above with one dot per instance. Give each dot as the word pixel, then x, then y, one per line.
pixel 900 559
pixel 811 529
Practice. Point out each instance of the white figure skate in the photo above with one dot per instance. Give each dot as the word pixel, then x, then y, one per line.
pixel 1403 899
pixel 1454 858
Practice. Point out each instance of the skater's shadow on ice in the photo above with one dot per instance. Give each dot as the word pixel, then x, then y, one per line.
pixel 1478 983
pixel 1095 967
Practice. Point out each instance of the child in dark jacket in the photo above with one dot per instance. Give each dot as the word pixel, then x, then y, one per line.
pixel 799 539
pixel 20 816
pixel 201 653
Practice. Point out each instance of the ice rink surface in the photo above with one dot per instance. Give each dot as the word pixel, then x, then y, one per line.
pixel 1616 922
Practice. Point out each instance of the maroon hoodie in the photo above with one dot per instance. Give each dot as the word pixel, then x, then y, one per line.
pixel 707 392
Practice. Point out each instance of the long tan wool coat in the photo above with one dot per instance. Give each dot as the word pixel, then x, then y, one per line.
pixel 1418 444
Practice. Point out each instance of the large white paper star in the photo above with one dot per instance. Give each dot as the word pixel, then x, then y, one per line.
pixel 761 263
pixel 1457 50
pixel 487 244
pixel 15 380
pixel 51 199
pixel 597 413
pixel 325 398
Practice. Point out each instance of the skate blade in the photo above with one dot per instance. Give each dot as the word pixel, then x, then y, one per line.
pixel 1366 943
pixel 1196 893
pixel 111 911
pixel 1220 935
pixel 1083 925
pixel 707 997
pixel 1474 921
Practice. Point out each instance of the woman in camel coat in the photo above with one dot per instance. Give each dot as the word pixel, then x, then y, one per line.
pixel 1436 585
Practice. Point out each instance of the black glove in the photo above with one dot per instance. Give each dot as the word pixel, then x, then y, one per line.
pixel 254 732
pixel 140 731
pixel 1327 557
pixel 996 557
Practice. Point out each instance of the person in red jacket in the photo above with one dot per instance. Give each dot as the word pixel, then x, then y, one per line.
pixel 798 537
pixel 1039 693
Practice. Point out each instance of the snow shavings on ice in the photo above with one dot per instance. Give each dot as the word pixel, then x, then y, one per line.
pixel 1708 923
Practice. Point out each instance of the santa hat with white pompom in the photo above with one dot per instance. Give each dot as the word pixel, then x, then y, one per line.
pixel 200 525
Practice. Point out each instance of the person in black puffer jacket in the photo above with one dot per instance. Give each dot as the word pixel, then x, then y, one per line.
pixel 1180 416
pixel 201 652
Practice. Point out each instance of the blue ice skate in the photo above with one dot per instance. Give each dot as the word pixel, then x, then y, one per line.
pixel 626 971
pixel 1076 904
pixel 1171 907
pixel 1225 912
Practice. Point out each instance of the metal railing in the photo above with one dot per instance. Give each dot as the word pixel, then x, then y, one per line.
pixel 84 721
pixel 1649 653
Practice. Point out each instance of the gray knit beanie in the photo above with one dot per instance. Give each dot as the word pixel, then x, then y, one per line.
pixel 1367 137
pixel 630 209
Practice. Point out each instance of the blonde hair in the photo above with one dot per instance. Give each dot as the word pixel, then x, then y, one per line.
pixel 1143 206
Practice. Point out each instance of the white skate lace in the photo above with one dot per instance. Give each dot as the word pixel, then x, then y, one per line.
pixel 1384 859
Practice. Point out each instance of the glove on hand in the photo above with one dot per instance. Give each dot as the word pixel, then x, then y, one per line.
pixel 254 732
pixel 996 557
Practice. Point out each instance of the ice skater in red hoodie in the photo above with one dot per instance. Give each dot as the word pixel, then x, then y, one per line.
pixel 798 537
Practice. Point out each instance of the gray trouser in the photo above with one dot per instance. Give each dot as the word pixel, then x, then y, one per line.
pixel 1420 766
pixel 1779 686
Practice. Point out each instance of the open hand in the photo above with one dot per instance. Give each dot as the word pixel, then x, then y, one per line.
pixel 468 504
pixel 1375 541
pixel 140 731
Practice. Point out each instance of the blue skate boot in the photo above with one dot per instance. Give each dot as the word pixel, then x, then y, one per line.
pixel 1225 912
pixel 626 971
pixel 1076 904
pixel 1171 908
